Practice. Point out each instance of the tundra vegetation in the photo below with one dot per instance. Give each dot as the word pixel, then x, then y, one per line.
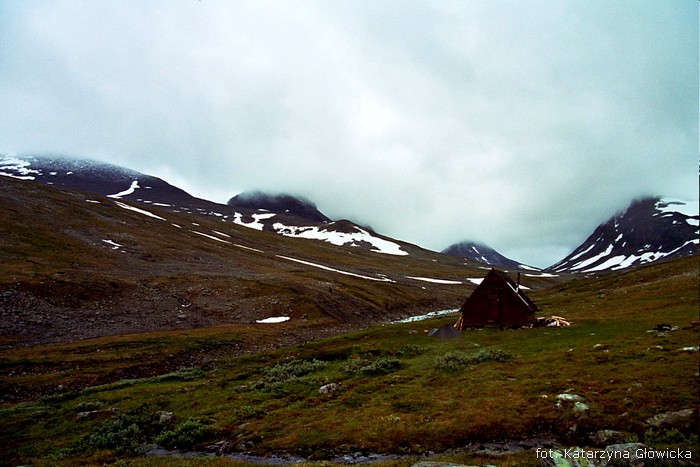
pixel 108 401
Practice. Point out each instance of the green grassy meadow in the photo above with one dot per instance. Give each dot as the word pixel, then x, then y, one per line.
pixel 397 391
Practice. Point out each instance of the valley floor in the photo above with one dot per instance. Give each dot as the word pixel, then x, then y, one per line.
pixel 625 372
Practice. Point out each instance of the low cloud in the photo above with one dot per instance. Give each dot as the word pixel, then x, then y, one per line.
pixel 518 124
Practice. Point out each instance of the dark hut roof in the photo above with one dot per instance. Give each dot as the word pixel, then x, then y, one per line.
pixel 497 301
pixel 526 300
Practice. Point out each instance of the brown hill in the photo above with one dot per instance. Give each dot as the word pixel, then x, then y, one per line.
pixel 77 266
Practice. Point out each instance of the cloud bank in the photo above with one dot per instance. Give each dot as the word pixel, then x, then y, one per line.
pixel 518 124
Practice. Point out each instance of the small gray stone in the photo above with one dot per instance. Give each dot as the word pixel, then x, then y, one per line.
pixel 680 420
pixel 328 388
pixel 570 397
pixel 580 407
pixel 91 413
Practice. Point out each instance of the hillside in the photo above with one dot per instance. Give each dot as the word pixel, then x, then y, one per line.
pixel 79 266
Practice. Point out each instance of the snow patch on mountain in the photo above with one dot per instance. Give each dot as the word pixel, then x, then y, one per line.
pixel 257 223
pixel 140 211
pixel 210 236
pixel 273 320
pixel 12 166
pixel 339 271
pixel 339 238
pixel 113 244
pixel 129 191
pixel 435 281
pixel 649 230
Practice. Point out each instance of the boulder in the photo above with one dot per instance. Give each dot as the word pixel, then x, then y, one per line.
pixel 680 420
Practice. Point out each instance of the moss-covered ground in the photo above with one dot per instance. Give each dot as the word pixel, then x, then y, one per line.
pixel 395 390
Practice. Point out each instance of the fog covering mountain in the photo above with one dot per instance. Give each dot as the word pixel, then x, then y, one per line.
pixel 483 254
pixel 278 203
pixel 650 229
pixel 280 213
pixel 90 176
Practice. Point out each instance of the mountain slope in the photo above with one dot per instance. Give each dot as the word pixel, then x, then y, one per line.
pixel 78 265
pixel 481 253
pixel 97 177
pixel 283 214
pixel 650 229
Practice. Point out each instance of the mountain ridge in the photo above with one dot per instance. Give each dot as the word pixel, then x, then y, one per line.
pixel 279 203
pixel 479 252
pixel 650 229
pixel 279 213
pixel 294 216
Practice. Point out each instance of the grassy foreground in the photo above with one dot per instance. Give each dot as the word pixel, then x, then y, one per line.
pixel 393 389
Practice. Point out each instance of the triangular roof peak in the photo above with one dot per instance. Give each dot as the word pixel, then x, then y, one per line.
pixel 503 275
pixel 497 300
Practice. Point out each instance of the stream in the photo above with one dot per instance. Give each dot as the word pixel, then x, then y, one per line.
pixel 495 449
pixel 432 314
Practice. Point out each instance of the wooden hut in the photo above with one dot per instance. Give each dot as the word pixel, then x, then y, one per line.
pixel 497 301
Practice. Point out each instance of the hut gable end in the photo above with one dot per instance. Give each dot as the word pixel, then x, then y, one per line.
pixel 497 301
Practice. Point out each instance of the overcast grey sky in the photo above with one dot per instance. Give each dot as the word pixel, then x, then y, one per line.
pixel 522 124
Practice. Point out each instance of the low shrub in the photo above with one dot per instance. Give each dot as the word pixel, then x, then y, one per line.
pixel 451 361
pixel 355 364
pixel 490 355
pixel 658 438
pixel 292 369
pixel 456 360
pixel 88 406
pixel 184 374
pixel 186 435
pixel 123 438
pixel 284 377
pixel 124 435
pixel 369 367
pixel 410 350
